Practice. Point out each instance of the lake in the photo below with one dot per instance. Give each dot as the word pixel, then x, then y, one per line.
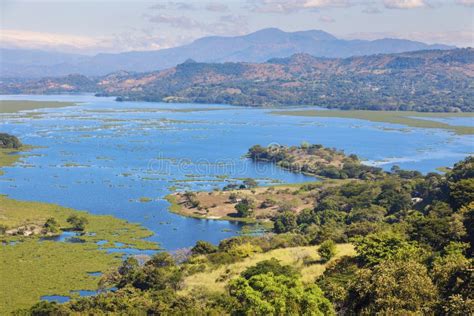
pixel 123 158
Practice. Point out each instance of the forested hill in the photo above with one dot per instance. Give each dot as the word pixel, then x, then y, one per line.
pixel 436 80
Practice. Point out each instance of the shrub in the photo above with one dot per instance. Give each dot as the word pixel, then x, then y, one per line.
pixel 273 265
pixel 51 226
pixel 77 222
pixel 203 247
pixel 327 250
pixel 9 141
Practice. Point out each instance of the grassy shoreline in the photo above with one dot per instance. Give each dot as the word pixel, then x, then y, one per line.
pixel 407 118
pixel 31 267
pixel 13 106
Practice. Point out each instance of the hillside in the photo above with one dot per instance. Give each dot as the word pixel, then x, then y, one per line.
pixel 400 244
pixel 438 80
pixel 255 47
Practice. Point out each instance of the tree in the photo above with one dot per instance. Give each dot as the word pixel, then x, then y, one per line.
pixel 375 248
pixel 233 197
pixel 394 197
pixel 397 287
pixel 245 207
pixel 203 247
pixel 462 192
pixel 327 250
pixel 273 265
pixel 284 222
pixel 269 294
pixel 44 308
pixel 77 222
pixel 51 226
pixel 250 183
pixel 9 141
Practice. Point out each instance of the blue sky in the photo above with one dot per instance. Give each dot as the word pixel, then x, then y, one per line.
pixel 92 26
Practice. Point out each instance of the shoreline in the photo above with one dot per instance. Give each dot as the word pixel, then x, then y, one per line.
pixel 407 118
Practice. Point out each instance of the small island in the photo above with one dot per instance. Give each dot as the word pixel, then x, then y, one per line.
pixel 247 202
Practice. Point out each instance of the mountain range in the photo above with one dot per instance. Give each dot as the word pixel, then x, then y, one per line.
pixel 255 47
pixel 431 80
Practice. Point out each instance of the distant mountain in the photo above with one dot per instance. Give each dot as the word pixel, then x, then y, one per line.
pixel 255 47
pixel 433 80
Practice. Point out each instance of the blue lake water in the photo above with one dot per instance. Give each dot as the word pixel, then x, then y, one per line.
pixel 103 156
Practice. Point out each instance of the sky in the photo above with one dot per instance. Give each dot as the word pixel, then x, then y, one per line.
pixel 95 26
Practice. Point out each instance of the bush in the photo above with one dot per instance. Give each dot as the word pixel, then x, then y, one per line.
pixel 327 250
pixel 77 222
pixel 245 208
pixel 3 229
pixel 9 141
pixel 51 226
pixel 273 265
pixel 203 247
pixel 285 222
pixel 250 183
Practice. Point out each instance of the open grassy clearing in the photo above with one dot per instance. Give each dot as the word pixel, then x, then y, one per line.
pixel 215 279
pixel 393 117
pixel 12 106
pixel 218 205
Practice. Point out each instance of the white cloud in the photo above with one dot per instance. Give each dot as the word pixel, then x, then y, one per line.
pixel 223 25
pixel 404 4
pixel 85 45
pixel 466 3
pixel 285 6
pixel 217 7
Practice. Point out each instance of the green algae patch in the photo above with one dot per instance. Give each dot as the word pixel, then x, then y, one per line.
pixel 12 106
pixel 407 118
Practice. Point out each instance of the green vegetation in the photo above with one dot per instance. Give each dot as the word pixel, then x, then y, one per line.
pixel 78 223
pixel 315 160
pixel 409 252
pixel 425 81
pixel 9 141
pixel 30 267
pixel 50 267
pixel 245 207
pixel 14 214
pixel 408 118
pixel 145 199
pixel 12 106
pixel 370 242
pixel 327 250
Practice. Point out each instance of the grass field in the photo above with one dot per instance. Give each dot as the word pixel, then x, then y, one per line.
pixel 12 106
pixel 211 278
pixel 31 269
pixel 407 118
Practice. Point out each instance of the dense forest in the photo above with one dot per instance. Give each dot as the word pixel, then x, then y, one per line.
pixel 427 81
pixel 413 235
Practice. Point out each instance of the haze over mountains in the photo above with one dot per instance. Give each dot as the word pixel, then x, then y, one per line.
pixel 255 47
pixel 430 80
